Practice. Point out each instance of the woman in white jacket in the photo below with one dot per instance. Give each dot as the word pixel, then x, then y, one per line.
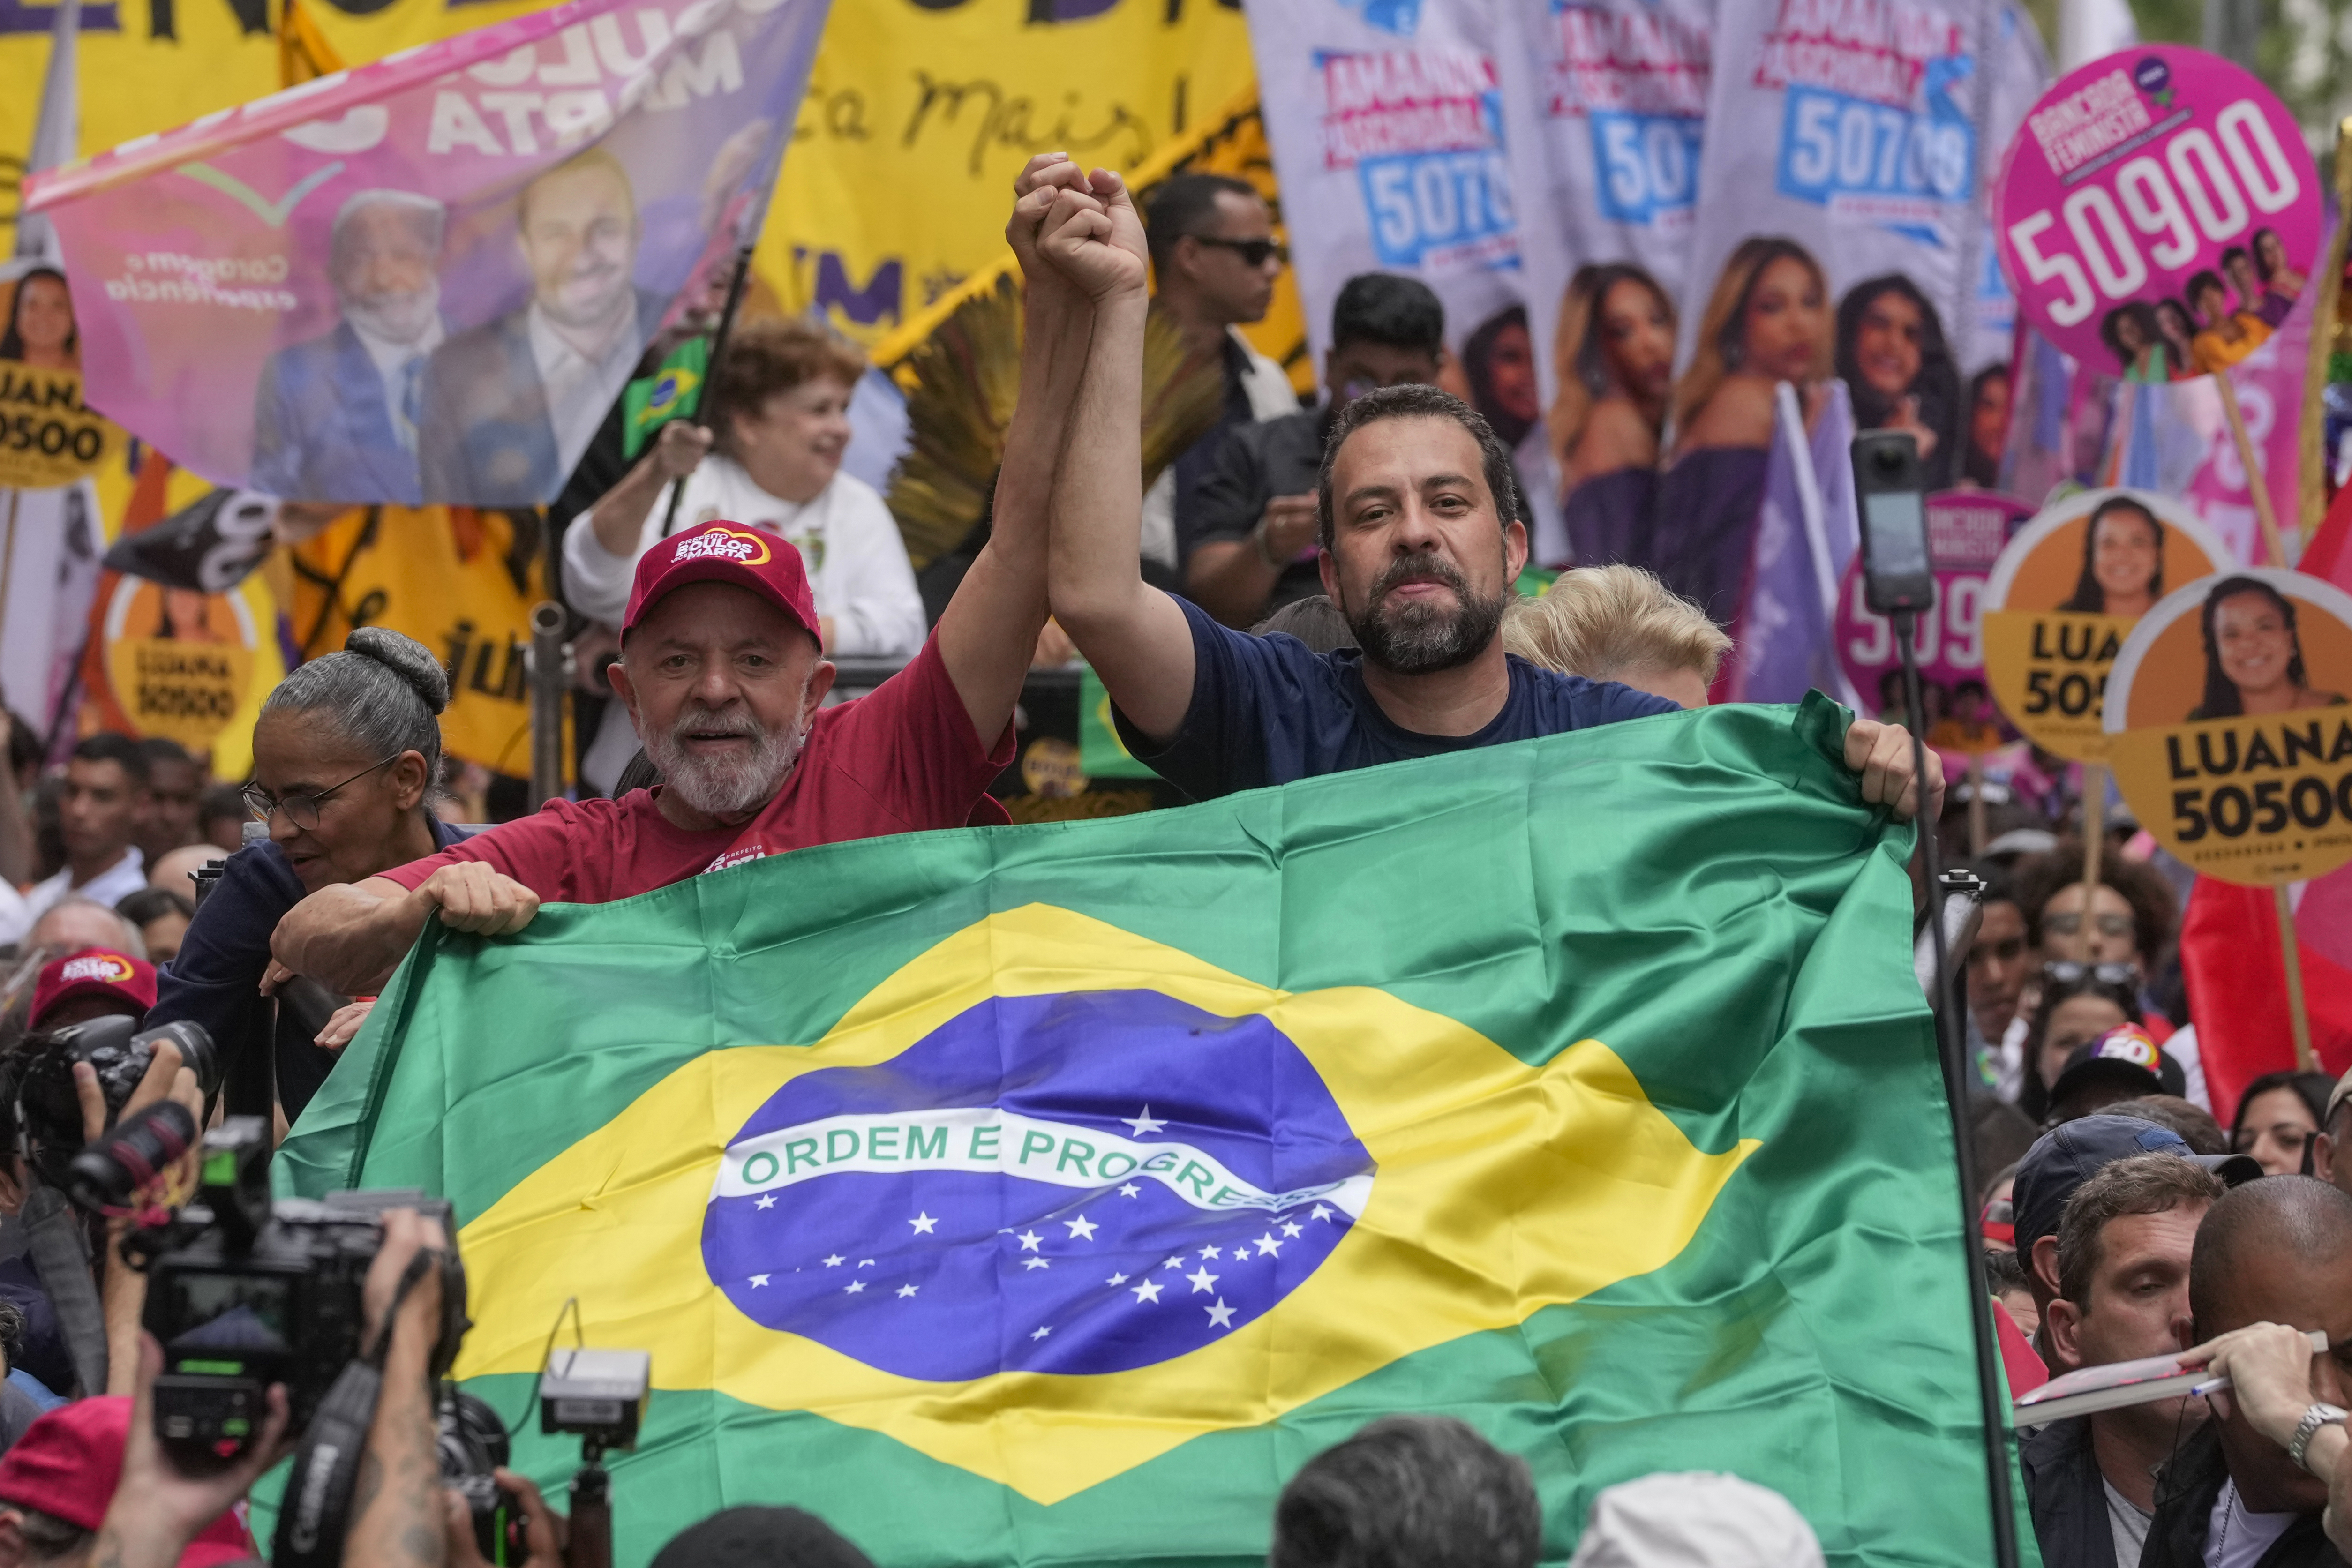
pixel 782 390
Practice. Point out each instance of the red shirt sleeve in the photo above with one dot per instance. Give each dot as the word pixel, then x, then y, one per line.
pixel 532 850
pixel 910 744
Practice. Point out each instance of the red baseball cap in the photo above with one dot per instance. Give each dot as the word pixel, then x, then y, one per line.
pixel 67 1465
pixel 724 552
pixel 94 971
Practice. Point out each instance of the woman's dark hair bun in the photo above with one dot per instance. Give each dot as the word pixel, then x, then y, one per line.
pixel 406 657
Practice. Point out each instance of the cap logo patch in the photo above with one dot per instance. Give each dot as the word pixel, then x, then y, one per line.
pixel 723 544
pixel 2128 1045
pixel 110 968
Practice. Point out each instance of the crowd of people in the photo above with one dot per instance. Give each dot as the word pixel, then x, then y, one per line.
pixel 1305 592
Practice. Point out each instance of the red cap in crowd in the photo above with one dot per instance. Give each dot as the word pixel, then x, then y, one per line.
pixel 67 1465
pixel 724 552
pixel 94 971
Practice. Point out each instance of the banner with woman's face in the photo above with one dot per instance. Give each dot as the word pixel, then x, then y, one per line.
pixel 49 436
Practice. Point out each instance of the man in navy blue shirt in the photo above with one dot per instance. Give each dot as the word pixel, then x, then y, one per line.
pixel 1421 547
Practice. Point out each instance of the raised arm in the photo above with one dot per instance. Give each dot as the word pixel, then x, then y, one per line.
pixel 351 935
pixel 990 628
pixel 1134 635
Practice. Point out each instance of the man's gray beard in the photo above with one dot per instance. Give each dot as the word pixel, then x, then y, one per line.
pixel 722 787
pixel 1420 639
pixel 394 318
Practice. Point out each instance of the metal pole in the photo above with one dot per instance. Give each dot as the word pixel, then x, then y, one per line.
pixel 549 677
pixel 705 411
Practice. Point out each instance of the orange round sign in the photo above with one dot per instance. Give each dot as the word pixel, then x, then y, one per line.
pixel 2229 719
pixel 2067 592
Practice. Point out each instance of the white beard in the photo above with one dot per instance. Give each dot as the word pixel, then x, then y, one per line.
pixel 394 318
pixel 725 786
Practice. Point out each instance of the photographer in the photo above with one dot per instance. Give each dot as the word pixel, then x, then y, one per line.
pixel 397 1520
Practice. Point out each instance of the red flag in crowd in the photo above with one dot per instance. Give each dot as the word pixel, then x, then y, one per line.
pixel 2236 971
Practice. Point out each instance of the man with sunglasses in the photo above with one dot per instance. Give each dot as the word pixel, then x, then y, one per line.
pixel 1214 259
pixel 1247 531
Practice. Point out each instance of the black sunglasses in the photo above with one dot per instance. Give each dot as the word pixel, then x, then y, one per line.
pixel 1252 252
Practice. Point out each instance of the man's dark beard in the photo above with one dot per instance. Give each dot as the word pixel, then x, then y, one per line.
pixel 1420 639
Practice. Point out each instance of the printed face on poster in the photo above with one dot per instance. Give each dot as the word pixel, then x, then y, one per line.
pixel 49 436
pixel 2066 592
pixel 180 660
pixel 2230 728
pixel 2158 214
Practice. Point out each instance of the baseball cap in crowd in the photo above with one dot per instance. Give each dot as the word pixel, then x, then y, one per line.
pixel 724 552
pixel 129 983
pixel 2067 1157
pixel 1695 1520
pixel 67 1465
pixel 2124 1055
pixel 2336 1096
pixel 761 1538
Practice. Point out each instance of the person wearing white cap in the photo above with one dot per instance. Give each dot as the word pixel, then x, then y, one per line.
pixel 2331 1151
pixel 1694 1518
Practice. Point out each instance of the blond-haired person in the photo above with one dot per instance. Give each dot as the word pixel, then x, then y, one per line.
pixel 1619 623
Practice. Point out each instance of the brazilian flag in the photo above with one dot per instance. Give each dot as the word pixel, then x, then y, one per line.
pixel 1051 1194
pixel 673 392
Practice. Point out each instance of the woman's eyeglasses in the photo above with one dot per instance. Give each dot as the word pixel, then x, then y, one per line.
pixel 302 810
pixel 2070 922
pixel 2119 977
pixel 1252 252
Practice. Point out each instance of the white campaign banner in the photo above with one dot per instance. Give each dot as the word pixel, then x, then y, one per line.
pixel 1868 131
pixel 1604 106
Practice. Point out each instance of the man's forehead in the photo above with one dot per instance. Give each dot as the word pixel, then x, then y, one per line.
pixel 2166 1233
pixel 709 614
pixel 1409 450
pixel 1237 215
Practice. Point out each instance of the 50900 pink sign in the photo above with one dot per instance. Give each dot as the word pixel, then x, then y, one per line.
pixel 2158 214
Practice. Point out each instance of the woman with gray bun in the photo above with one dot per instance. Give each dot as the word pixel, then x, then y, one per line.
pixel 346 754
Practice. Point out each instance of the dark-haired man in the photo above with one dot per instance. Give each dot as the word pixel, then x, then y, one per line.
pixel 2276 1250
pixel 2123 1254
pixel 100 809
pixel 1421 544
pixel 1215 257
pixel 1246 532
pixel 174 788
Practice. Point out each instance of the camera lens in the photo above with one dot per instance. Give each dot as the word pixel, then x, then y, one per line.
pixel 197 1053
pixel 106 1174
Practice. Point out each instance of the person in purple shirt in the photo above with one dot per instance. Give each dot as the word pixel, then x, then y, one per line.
pixel 1421 547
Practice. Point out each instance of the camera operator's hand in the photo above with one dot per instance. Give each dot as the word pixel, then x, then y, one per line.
pixel 123 1290
pixel 344 1026
pixel 158 1507
pixel 544 1530
pixel 165 1079
pixel 400 1521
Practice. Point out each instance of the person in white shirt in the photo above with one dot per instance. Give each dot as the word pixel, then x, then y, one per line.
pixel 782 391
pixel 99 815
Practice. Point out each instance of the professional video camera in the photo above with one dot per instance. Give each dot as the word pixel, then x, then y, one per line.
pixel 48 1108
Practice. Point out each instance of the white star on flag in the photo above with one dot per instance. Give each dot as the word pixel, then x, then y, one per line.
pixel 865 1262
pixel 906 1291
pixel 1029 1240
pixel 1129 1190
pixel 1291 1227
pixel 1146 1122
pixel 1081 1229
pixel 758 1280
pixel 1221 1316
pixel 1202 1281
pixel 1210 1252
pixel 1147 1291
pixel 852 1287
pixel 834 1261
pixel 1176 1262
pixel 1322 1212
pixel 924 1224
pixel 1035 1263
pixel 767 1200
pixel 1041 1332
pixel 1268 1245
pixel 1116 1280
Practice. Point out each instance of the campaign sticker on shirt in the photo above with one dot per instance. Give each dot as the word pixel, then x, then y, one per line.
pixel 2066 592
pixel 1966 532
pixel 2230 729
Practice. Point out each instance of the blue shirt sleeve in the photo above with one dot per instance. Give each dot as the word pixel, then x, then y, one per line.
pixel 1259 706
pixel 215 978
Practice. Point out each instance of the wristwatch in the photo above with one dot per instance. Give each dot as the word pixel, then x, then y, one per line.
pixel 2307 1428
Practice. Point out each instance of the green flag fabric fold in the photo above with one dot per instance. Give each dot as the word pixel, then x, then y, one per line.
pixel 1051 1194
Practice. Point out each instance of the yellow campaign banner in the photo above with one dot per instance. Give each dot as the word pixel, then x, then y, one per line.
pixel 460 582
pixel 47 436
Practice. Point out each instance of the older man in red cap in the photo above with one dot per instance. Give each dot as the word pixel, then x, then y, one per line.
pixel 722 675
pixel 91 984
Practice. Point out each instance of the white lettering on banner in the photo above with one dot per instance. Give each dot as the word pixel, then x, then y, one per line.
pixel 2082 125
pixel 173 278
pixel 1402 101
pixel 590 51
pixel 1873 50
pixel 990 1139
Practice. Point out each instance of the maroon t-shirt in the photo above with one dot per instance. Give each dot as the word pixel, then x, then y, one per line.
pixel 899 760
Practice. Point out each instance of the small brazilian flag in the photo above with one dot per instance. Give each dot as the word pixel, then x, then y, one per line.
pixel 672 391
pixel 1049 1194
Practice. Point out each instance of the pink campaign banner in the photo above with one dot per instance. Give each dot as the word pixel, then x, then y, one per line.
pixel 428 279
pixel 2158 214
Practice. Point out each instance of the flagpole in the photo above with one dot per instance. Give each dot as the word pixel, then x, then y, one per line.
pixel 703 413
pixel 2256 480
pixel 2298 1016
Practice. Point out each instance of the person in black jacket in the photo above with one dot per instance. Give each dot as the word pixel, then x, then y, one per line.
pixel 345 757
pixel 2275 1251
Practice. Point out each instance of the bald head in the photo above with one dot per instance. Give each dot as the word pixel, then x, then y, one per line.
pixel 2264 1243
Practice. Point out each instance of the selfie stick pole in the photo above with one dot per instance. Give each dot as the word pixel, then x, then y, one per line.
pixel 1951 1050
pixel 2298 1016
pixel 2095 842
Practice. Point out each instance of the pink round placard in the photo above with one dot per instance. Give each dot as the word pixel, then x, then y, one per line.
pixel 2158 205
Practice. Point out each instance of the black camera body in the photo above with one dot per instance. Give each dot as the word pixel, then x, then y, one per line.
pixel 48 1110
pixel 242 1292
pixel 473 1442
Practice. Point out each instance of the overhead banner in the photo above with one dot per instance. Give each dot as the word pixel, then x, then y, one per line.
pixel 432 276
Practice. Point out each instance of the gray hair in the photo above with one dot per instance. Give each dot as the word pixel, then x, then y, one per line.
pixel 431 216
pixel 129 943
pixel 1408 1492
pixel 382 693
